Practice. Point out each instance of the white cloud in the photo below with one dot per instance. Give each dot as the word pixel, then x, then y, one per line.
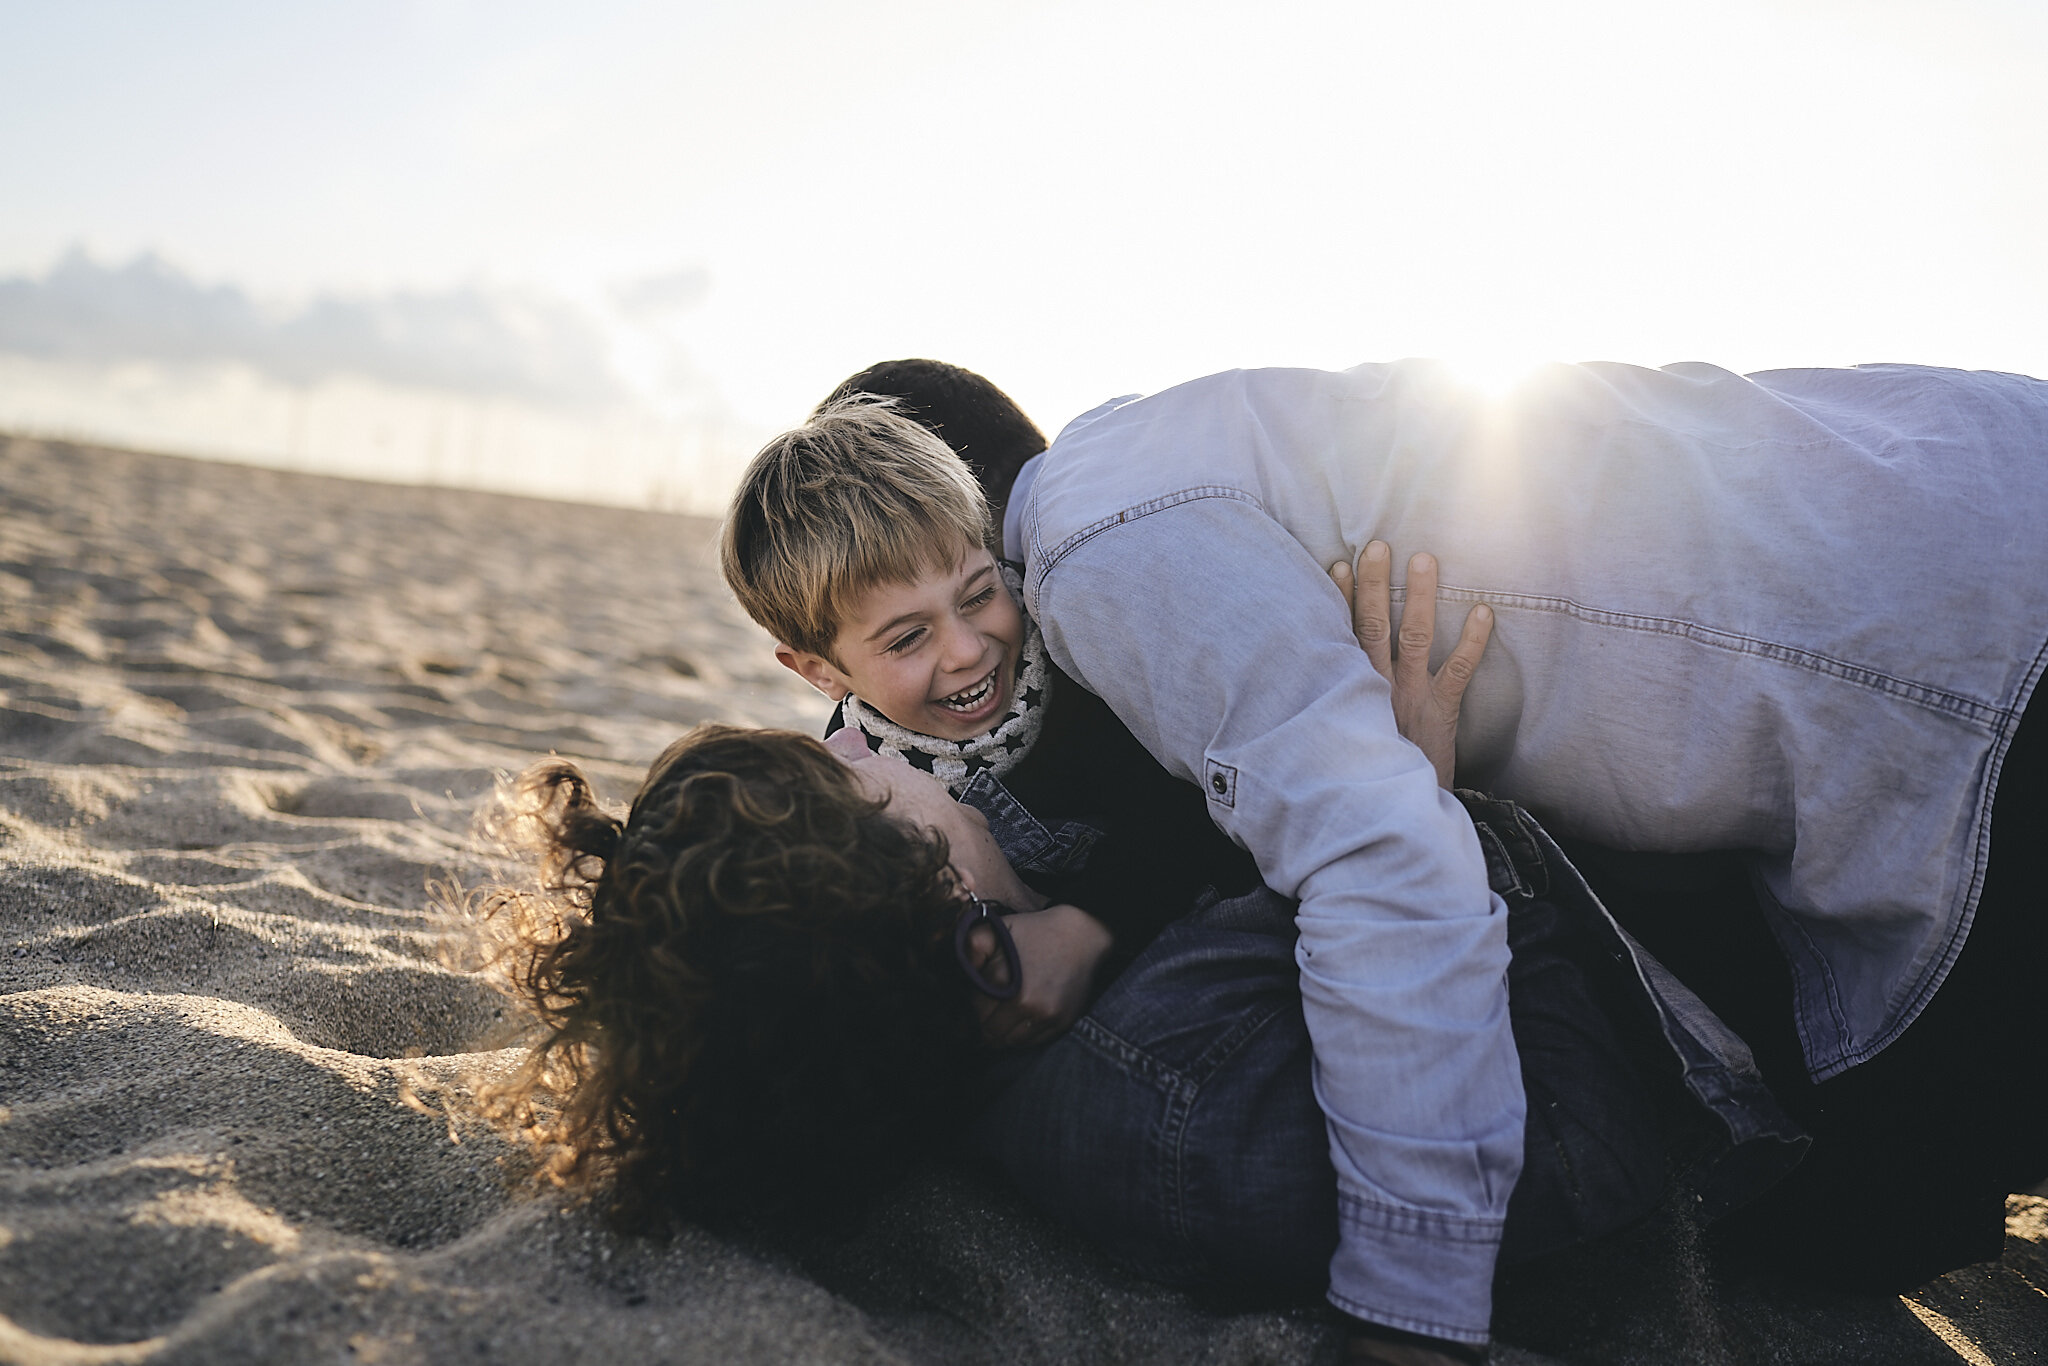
pixel 660 297
pixel 469 340
pixel 481 386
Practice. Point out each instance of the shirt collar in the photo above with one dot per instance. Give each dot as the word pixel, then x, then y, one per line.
pixel 1013 511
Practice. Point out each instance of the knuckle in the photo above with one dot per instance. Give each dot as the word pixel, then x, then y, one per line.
pixel 1415 638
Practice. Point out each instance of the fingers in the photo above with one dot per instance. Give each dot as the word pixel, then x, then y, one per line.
pixel 1464 659
pixel 987 955
pixel 1368 595
pixel 1014 1023
pixel 1025 1031
pixel 1007 1027
pixel 1004 1024
pixel 1418 624
pixel 1372 616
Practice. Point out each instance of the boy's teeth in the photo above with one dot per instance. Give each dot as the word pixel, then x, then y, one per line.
pixel 968 698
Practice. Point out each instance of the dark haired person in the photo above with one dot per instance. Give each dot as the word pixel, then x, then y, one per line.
pixel 758 947
pixel 982 424
pixel 1794 618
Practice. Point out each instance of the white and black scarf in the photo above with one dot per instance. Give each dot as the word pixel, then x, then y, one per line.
pixel 997 751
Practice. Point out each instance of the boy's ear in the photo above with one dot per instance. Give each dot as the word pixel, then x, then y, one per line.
pixel 815 670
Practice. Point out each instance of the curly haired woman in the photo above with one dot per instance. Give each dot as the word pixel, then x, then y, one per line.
pixel 748 991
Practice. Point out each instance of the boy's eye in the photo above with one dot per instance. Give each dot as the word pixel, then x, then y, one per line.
pixel 982 598
pixel 904 641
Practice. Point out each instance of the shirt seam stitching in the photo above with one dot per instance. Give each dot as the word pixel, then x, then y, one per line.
pixel 1973 710
pixel 1409 1221
pixel 1734 642
pixel 1994 769
pixel 1131 514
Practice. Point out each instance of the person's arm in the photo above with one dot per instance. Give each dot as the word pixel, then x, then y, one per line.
pixel 1229 653
pixel 1063 949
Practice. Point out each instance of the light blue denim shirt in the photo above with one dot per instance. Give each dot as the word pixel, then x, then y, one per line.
pixel 1797 613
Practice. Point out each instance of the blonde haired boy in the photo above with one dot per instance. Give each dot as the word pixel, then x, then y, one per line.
pixel 860 542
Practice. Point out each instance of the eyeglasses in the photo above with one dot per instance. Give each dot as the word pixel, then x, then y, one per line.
pixel 979 912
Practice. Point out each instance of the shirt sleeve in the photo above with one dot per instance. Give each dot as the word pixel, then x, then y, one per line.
pixel 1229 654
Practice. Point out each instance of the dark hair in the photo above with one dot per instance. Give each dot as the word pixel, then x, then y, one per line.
pixel 746 992
pixel 982 424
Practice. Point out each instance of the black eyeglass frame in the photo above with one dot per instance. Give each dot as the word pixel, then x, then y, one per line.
pixel 979 912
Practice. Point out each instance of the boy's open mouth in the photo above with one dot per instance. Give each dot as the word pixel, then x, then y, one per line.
pixel 973 699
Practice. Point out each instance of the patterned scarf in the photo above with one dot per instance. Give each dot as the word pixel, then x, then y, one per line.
pixel 997 751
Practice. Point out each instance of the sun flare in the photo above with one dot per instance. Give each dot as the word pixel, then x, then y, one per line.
pixel 1494 374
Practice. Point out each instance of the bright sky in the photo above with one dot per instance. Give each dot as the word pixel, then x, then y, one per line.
pixel 1078 198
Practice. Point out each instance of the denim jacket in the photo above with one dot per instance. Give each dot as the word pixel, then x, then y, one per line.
pixel 1796 614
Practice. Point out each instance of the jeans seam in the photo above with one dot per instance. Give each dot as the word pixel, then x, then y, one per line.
pixel 1178 1095
pixel 1113 1047
pixel 1785 926
pixel 1172 1141
pixel 1021 835
pixel 1206 1065
pixel 1504 876
pixel 1181 1091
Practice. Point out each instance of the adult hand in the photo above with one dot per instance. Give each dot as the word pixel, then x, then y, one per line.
pixel 1425 705
pixel 1060 949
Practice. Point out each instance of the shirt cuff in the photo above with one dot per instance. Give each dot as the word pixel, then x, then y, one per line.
pixel 1416 1270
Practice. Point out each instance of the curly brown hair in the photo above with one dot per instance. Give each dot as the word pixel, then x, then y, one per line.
pixel 745 993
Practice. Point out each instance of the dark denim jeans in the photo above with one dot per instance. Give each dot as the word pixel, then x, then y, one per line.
pixel 1177 1125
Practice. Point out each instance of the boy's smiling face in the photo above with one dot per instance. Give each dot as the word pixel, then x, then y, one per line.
pixel 936 655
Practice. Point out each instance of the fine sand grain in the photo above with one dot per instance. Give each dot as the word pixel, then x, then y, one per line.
pixel 245 717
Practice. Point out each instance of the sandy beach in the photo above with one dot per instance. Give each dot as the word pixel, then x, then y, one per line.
pixel 246 717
